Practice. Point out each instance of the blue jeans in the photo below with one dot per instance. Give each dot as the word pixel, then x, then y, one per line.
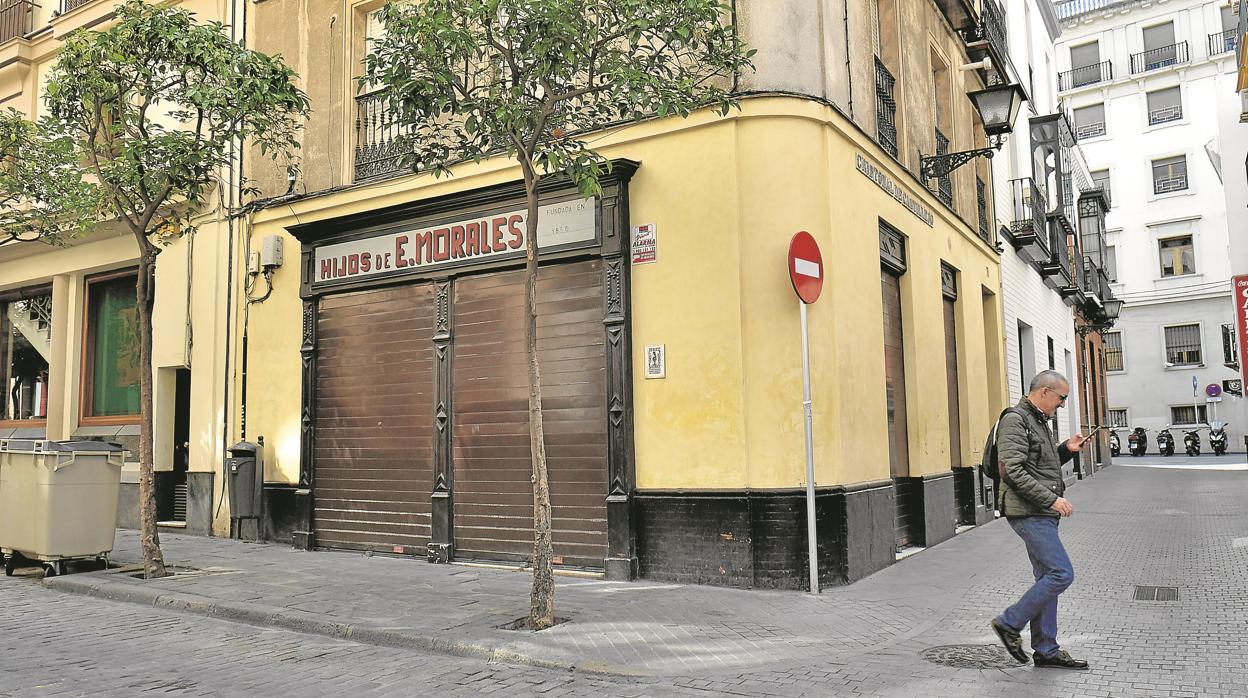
pixel 1054 574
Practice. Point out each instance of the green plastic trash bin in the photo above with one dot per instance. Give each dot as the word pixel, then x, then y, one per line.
pixel 58 500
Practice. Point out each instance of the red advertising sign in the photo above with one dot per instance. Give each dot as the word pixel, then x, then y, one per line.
pixel 1239 285
pixel 805 267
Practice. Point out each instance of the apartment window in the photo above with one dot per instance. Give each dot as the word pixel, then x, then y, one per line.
pixel 1170 174
pixel 1177 256
pixel 1165 105
pixel 111 378
pixel 1085 66
pixel 1111 263
pixel 1159 47
pixel 1100 179
pixel 1118 418
pixel 1230 350
pixel 1183 345
pixel 1052 365
pixel 25 352
pixel 1085 55
pixel 1113 351
pixel 1090 121
pixel 1188 414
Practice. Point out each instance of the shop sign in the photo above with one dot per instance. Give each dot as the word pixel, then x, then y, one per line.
pixel 457 243
pixel 1239 284
pixel 645 243
pixel 895 190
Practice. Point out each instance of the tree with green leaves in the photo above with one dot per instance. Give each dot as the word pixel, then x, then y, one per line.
pixel 42 195
pixel 469 80
pixel 151 111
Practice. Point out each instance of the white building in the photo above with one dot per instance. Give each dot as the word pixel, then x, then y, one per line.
pixel 1142 81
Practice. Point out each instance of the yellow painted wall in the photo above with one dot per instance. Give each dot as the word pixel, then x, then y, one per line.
pixel 726 196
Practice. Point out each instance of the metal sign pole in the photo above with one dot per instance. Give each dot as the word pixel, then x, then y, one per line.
pixel 812 541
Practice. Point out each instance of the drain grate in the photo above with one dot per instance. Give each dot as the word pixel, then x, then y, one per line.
pixel 970 657
pixel 1147 593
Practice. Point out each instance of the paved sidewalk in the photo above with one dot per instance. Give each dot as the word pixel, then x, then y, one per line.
pixel 1142 526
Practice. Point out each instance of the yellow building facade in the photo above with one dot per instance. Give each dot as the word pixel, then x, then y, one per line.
pixel 386 389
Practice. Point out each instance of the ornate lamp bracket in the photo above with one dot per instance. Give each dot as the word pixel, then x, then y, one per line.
pixel 933 166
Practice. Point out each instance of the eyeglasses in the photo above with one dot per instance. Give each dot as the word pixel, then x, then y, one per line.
pixel 1060 398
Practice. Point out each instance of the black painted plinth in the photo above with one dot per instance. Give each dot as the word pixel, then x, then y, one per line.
pixel 939 511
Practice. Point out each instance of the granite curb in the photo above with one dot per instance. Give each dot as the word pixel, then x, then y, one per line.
pixel 99 585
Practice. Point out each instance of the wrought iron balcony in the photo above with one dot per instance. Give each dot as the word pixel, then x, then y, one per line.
pixel 1159 57
pixel 885 108
pixel 1092 130
pixel 1222 42
pixel 987 37
pixel 380 142
pixel 1165 185
pixel 67 5
pixel 1161 115
pixel 1028 232
pixel 944 184
pixel 1085 75
pixel 1095 282
pixel 1056 271
pixel 960 13
pixel 15 18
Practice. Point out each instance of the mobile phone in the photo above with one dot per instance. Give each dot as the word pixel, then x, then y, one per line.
pixel 1094 430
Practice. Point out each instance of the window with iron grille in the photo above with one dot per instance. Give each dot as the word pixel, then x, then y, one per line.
pixel 1230 350
pixel 1177 256
pixel 1188 414
pixel 885 108
pixel 1113 351
pixel 1183 345
pixel 1165 105
pixel 1118 418
pixel 1170 174
pixel 1111 263
pixel 981 200
pixel 1090 121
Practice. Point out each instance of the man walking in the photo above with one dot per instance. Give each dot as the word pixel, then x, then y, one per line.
pixel 1033 502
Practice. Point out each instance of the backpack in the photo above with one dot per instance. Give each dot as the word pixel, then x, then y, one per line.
pixel 990 467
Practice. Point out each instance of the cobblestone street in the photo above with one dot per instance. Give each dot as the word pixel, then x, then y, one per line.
pixel 1186 529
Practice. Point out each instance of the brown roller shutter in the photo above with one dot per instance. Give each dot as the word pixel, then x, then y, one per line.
pixel 493 497
pixel 374 420
pixel 951 375
pixel 906 494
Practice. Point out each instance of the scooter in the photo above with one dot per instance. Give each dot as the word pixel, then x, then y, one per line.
pixel 1115 446
pixel 1191 442
pixel 1217 438
pixel 1165 443
pixel 1137 441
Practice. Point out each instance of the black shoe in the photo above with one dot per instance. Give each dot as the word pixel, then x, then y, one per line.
pixel 1012 641
pixel 1061 660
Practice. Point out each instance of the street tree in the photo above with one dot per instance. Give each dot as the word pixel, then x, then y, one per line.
pixel 42 195
pixel 151 111
pixel 528 80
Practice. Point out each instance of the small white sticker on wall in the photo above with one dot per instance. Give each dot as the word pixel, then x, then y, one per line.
pixel 645 243
pixel 656 361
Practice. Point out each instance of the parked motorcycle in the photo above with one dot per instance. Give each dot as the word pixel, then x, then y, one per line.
pixel 1115 446
pixel 1191 441
pixel 1217 438
pixel 1137 441
pixel 1165 443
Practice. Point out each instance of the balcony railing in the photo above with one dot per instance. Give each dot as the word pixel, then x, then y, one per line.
pixel 1085 75
pixel 1092 130
pixel 1057 271
pixel 1095 281
pixel 15 18
pixel 67 5
pixel 1161 115
pixel 380 142
pixel 1067 9
pixel 981 202
pixel 1159 57
pixel 1027 228
pixel 944 185
pixel 885 108
pixel 1167 184
pixel 1222 42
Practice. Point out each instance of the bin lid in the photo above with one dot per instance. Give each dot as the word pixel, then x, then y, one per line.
pixel 44 446
pixel 243 448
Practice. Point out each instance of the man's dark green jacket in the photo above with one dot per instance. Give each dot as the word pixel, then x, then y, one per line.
pixel 1032 461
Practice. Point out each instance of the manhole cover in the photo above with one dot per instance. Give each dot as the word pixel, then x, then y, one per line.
pixel 970 657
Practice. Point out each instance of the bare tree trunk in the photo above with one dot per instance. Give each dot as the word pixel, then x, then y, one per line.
pixel 149 537
pixel 542 598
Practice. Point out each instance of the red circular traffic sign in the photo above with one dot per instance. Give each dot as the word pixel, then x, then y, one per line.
pixel 805 267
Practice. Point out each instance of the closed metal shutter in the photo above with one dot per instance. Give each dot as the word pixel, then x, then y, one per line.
pixel 374 420
pixel 951 374
pixel 908 509
pixel 493 495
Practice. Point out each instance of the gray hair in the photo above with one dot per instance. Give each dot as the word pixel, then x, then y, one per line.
pixel 1047 379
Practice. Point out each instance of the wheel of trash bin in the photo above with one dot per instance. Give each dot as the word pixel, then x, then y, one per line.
pixel 50 569
pixel 9 564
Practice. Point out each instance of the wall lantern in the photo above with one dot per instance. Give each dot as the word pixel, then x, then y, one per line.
pixel 998 108
pixel 1113 307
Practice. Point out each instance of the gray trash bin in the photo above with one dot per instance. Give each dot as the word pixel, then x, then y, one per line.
pixel 58 500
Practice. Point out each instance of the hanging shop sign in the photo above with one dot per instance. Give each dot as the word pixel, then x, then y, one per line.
pixel 454 243
pixel 1239 284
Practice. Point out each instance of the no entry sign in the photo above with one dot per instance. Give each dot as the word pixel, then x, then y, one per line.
pixel 805 267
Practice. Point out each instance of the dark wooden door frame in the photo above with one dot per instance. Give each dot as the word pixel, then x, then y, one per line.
pixel 611 244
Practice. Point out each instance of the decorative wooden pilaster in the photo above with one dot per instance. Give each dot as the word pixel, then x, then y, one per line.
pixel 304 537
pixel 621 562
pixel 442 536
